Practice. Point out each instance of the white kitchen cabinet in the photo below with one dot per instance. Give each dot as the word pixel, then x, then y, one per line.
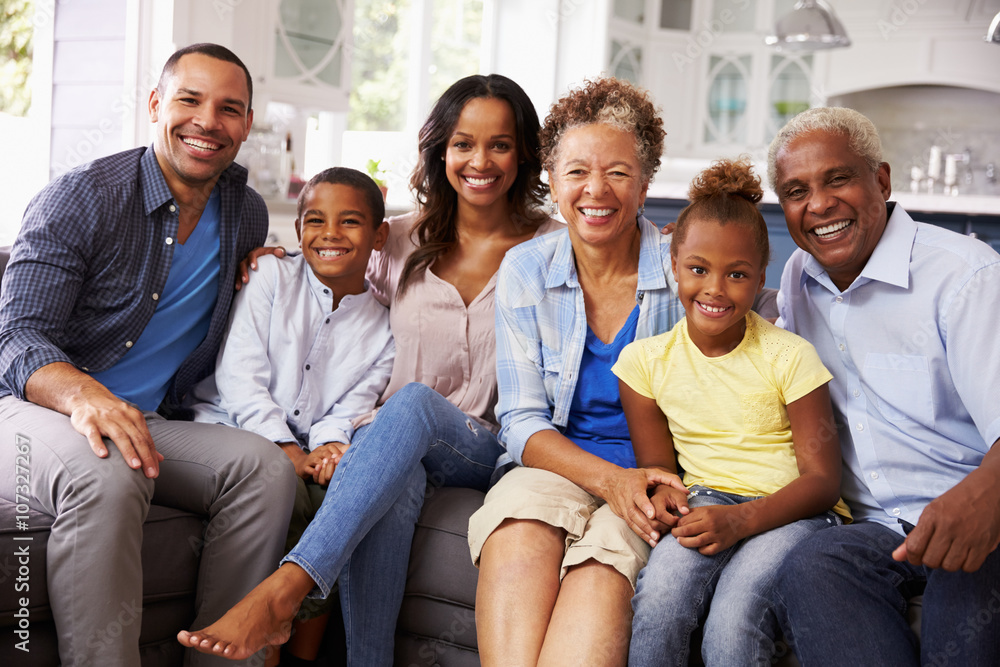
pixel 704 61
pixel 300 50
pixel 742 91
pixel 724 92
pixel 913 42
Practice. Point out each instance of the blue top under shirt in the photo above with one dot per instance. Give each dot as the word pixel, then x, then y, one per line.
pixel 181 321
pixel 596 419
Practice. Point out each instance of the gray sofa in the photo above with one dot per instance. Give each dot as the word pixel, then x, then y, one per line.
pixel 436 624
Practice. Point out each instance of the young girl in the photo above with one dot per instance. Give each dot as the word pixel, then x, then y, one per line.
pixel 742 406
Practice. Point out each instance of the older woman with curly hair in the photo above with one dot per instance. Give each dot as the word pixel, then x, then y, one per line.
pixel 562 536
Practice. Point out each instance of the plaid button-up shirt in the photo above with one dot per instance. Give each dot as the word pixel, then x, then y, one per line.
pixel 92 258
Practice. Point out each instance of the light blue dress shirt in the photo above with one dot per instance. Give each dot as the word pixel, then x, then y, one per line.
pixel 542 328
pixel 291 368
pixel 912 345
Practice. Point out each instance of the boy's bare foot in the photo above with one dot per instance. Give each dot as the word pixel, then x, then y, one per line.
pixel 263 618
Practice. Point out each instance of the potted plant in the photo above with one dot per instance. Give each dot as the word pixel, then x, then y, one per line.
pixel 378 175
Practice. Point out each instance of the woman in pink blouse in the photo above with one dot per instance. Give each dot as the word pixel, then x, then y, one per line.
pixel 479 191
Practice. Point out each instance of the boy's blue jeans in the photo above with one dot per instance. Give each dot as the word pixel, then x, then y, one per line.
pixel 843 599
pixel 730 593
pixel 361 534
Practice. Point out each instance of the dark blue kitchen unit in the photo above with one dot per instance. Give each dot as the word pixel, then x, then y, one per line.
pixel 985 227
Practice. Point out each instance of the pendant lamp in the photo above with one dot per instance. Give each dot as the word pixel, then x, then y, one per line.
pixel 810 26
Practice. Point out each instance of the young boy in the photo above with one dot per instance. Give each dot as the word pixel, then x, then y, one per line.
pixel 308 347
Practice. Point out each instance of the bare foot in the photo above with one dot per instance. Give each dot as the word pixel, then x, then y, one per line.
pixel 263 618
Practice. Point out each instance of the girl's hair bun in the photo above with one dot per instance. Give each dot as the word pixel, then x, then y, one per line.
pixel 727 192
pixel 727 177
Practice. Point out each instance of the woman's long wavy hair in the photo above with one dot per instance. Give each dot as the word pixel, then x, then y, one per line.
pixel 435 227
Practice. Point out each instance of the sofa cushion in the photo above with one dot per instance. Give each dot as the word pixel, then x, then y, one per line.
pixel 170 554
pixel 437 623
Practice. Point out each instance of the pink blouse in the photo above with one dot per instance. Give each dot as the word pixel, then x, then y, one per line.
pixel 439 341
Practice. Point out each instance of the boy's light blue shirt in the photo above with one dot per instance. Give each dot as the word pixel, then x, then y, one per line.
pixel 542 328
pixel 292 369
pixel 913 349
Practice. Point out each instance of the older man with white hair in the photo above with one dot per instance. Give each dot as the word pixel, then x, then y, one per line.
pixel 904 315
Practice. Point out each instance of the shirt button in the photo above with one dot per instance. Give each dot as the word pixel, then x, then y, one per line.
pixel 842 347
pixel 308 367
pixel 296 413
pixel 895 511
pixel 861 427
pixel 328 320
pixel 840 299
pixel 874 475
pixel 173 209
pixel 128 343
pixel 156 297
pixel 857 393
pixel 169 241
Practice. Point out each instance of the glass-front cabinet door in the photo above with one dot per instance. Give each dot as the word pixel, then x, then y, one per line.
pixel 628 32
pixel 626 61
pixel 790 89
pixel 725 121
pixel 309 44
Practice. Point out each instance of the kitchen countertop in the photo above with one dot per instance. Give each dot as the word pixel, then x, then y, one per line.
pixel 675 175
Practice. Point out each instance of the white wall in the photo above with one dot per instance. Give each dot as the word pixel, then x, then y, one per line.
pixel 89 105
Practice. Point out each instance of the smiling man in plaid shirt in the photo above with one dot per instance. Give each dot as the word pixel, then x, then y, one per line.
pixel 113 305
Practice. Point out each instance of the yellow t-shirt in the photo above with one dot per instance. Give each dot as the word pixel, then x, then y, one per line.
pixel 727 414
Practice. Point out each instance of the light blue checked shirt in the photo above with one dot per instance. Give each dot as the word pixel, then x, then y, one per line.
pixel 912 346
pixel 542 328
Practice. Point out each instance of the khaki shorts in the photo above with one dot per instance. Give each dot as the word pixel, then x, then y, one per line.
pixel 592 529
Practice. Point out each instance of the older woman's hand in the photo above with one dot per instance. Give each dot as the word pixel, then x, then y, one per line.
pixel 628 497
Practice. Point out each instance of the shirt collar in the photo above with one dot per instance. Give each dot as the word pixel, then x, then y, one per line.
pixel 563 268
pixel 324 294
pixel 890 260
pixel 651 273
pixel 155 192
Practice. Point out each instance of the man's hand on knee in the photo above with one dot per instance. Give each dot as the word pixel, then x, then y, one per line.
pixel 97 416
pixel 957 530
pixel 95 413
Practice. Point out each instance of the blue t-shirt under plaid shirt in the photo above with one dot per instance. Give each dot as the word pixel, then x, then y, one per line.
pixel 596 419
pixel 92 259
pixel 183 313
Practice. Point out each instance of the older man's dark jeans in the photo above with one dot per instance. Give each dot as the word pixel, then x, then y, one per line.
pixel 844 599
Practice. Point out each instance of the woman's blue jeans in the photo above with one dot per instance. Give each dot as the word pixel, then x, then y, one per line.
pixel 843 602
pixel 729 592
pixel 362 533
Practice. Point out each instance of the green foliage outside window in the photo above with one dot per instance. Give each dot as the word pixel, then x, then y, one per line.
pixel 379 66
pixel 380 55
pixel 15 55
